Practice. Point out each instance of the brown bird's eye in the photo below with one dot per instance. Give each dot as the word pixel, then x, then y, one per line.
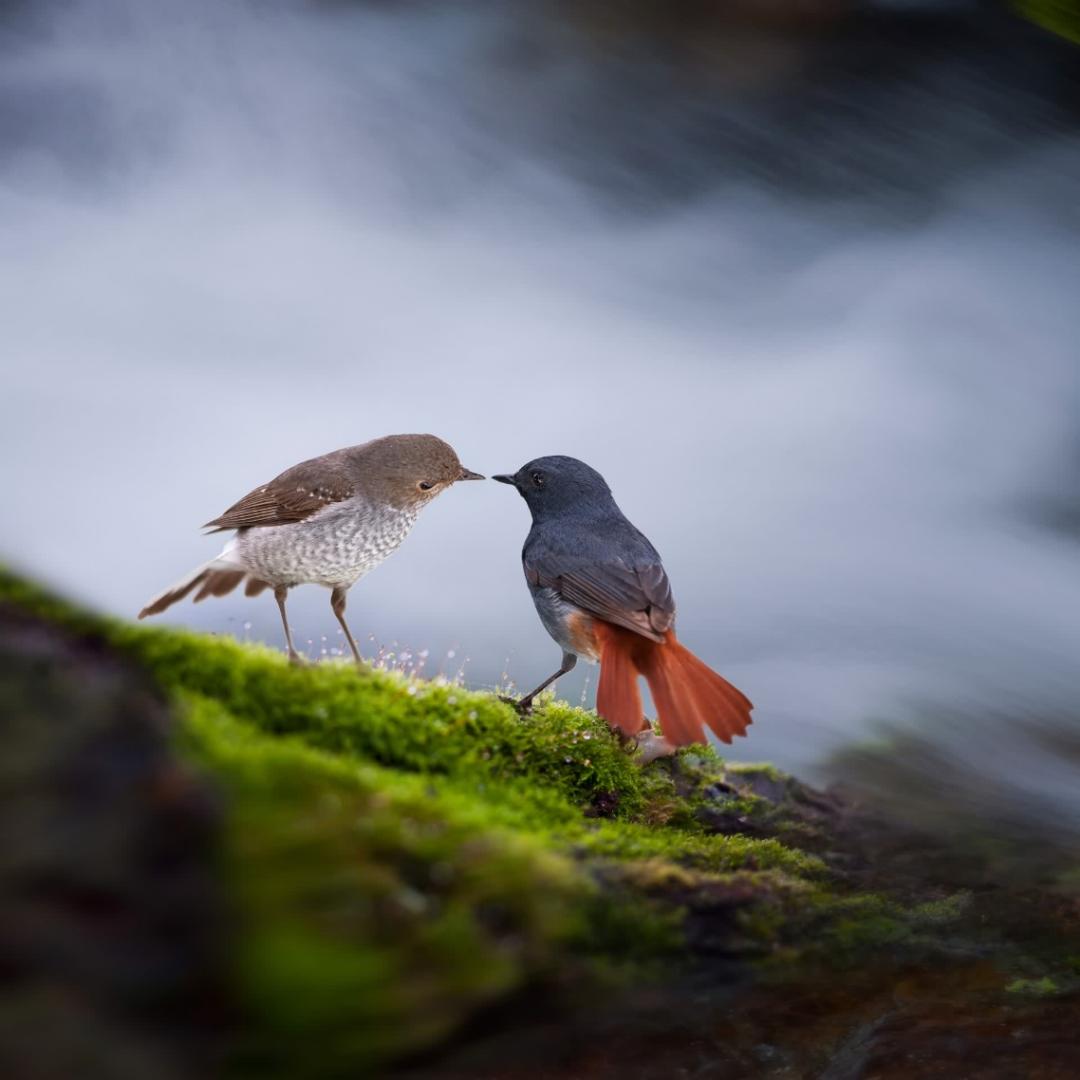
pixel 425 485
pixel 538 479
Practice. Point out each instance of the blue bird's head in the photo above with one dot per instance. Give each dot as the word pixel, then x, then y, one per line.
pixel 558 485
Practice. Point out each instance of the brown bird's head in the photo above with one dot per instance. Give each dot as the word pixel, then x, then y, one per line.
pixel 409 470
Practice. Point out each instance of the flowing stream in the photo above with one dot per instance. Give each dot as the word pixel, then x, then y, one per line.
pixel 806 298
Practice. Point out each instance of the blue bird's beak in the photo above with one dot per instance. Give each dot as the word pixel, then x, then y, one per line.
pixel 503 478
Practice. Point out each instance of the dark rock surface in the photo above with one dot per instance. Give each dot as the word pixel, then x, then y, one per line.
pixel 109 912
pixel 904 954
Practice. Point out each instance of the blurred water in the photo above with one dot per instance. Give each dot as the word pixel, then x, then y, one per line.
pixel 817 327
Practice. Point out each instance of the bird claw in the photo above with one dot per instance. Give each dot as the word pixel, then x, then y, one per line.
pixel 522 706
pixel 651 746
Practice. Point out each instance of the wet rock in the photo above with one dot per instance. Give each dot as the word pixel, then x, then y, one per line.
pixel 603 805
pixel 110 917
pixel 765 785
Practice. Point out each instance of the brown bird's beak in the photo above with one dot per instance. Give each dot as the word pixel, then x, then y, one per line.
pixel 504 479
pixel 468 474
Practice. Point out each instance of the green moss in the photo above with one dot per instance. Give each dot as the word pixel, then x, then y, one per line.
pixel 402 853
pixel 832 928
pixel 536 775
pixel 1058 16
pixel 707 852
pixel 1044 987
pixel 373 913
pixel 941 912
pixel 754 769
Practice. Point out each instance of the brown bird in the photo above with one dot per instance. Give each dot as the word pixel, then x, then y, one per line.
pixel 327 521
pixel 602 593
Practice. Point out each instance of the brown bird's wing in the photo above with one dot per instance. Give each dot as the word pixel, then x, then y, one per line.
pixel 637 596
pixel 293 496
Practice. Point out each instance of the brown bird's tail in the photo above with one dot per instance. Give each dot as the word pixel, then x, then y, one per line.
pixel 689 696
pixel 210 579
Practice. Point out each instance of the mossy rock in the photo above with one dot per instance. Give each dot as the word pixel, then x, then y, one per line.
pixel 396 860
pixel 1060 17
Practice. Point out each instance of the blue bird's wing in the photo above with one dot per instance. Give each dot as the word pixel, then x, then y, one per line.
pixel 634 593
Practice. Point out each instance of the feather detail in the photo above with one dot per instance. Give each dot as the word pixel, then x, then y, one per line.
pixel 690 697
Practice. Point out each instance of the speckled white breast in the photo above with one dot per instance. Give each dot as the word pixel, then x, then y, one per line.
pixel 334 547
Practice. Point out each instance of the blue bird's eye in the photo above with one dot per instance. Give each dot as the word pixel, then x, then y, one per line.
pixel 538 479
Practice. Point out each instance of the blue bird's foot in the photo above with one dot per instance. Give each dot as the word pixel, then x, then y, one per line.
pixel 522 705
pixel 651 746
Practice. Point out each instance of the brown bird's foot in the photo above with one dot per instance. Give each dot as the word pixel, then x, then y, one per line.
pixel 651 746
pixel 296 659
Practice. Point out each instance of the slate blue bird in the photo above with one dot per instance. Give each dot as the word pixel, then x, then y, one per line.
pixel 602 593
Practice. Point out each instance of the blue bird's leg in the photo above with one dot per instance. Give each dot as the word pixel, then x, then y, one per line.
pixel 524 705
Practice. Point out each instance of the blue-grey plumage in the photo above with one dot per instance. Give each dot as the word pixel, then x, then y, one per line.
pixel 569 625
pixel 583 556
pixel 601 591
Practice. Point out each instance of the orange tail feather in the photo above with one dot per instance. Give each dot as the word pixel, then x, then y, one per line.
pixel 688 694
pixel 618 699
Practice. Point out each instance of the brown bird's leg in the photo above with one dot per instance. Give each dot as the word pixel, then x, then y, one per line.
pixel 279 595
pixel 337 602
pixel 524 705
